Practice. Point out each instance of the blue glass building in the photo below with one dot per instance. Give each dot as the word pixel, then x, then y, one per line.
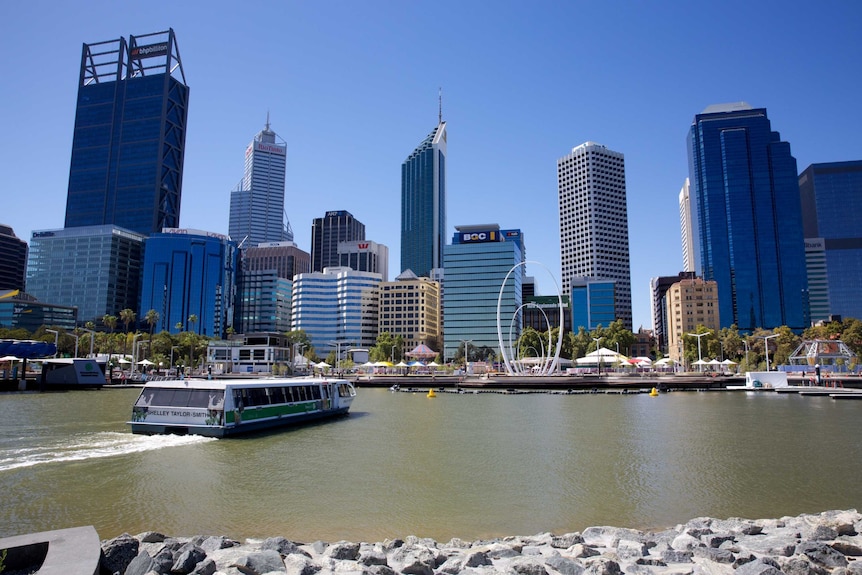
pixel 831 196
pixel 423 204
pixel 748 218
pixel 94 268
pixel 186 273
pixel 593 303
pixel 130 131
pixel 476 264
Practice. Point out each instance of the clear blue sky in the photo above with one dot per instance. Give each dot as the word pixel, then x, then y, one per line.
pixel 352 87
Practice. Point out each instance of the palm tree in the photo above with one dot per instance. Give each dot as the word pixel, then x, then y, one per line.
pixel 193 319
pixel 127 316
pixel 152 318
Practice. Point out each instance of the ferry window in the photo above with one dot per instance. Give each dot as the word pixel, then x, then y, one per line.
pixel 289 393
pixel 315 392
pixel 302 393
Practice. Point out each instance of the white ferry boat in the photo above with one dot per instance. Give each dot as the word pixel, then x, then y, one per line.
pixel 219 408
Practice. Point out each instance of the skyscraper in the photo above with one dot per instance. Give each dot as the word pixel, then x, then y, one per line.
pixel 130 132
pixel 831 215
pixel 594 229
pixel 13 260
pixel 745 197
pixel 477 262
pixel 686 227
pixel 423 204
pixel 327 232
pixel 257 205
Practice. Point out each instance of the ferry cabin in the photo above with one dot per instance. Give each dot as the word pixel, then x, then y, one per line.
pixel 219 408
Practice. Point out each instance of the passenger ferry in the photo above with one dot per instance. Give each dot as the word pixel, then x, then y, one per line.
pixel 219 408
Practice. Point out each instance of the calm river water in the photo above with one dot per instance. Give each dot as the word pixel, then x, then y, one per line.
pixel 469 466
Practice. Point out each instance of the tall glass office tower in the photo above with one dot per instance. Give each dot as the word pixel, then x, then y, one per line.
pixel 832 209
pixel 130 132
pixel 594 225
pixel 327 232
pixel 423 204
pixel 257 205
pixel 745 197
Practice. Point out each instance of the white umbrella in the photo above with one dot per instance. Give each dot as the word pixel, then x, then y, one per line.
pixel 322 365
pixel 728 362
pixel 433 364
pixel 123 360
pixel 10 358
pixel 146 362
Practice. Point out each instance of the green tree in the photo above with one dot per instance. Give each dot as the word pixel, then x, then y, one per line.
pixel 193 319
pixel 127 316
pixel 152 318
pixel 387 348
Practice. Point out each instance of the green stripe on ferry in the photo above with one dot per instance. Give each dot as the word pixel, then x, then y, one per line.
pixel 265 412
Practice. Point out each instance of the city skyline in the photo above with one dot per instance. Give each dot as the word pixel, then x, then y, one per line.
pixel 518 88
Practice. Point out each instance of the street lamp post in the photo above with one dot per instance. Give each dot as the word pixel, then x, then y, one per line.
pixel 173 347
pixel 76 336
pixel 699 357
pixel 392 355
pixel 92 338
pixel 766 339
pixel 745 343
pixel 337 345
pixel 56 340
pixel 597 340
pixel 466 343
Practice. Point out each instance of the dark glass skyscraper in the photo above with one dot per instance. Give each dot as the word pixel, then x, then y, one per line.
pixel 748 218
pixel 130 131
pixel 327 232
pixel 832 211
pixel 13 260
pixel 423 204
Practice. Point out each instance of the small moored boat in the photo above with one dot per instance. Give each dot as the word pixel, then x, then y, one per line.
pixel 218 408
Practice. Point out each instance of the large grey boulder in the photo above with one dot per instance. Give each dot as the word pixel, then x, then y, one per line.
pixel 267 561
pixel 821 554
pixel 140 565
pixel 760 566
pixel 565 565
pixel 187 558
pixel 280 544
pixel 299 564
pixel 342 550
pixel 532 565
pixel 205 567
pixel 118 553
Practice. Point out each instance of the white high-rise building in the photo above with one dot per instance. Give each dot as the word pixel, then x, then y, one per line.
pixel 338 307
pixel 594 231
pixel 257 205
pixel 687 226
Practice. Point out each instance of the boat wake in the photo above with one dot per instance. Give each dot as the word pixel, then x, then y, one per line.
pixel 92 446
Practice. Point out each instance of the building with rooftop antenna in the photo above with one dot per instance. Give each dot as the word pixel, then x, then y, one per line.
pixel 423 203
pixel 130 131
pixel 257 204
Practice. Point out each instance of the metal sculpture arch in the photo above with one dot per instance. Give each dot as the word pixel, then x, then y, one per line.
pixel 549 366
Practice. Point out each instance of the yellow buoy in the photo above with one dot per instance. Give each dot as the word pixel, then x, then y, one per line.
pixel 431 393
pixel 653 393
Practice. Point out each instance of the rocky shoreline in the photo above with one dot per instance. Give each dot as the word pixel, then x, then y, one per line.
pixel 816 544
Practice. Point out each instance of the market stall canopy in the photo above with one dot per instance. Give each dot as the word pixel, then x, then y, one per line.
pixel 422 351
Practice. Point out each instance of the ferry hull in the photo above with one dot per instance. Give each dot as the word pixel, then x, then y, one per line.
pixel 142 428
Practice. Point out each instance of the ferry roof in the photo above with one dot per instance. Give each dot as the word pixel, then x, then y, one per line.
pixel 224 383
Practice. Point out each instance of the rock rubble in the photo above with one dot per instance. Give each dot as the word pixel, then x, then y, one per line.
pixel 819 544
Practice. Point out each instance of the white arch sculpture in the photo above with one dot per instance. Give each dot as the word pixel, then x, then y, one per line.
pixel 549 367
